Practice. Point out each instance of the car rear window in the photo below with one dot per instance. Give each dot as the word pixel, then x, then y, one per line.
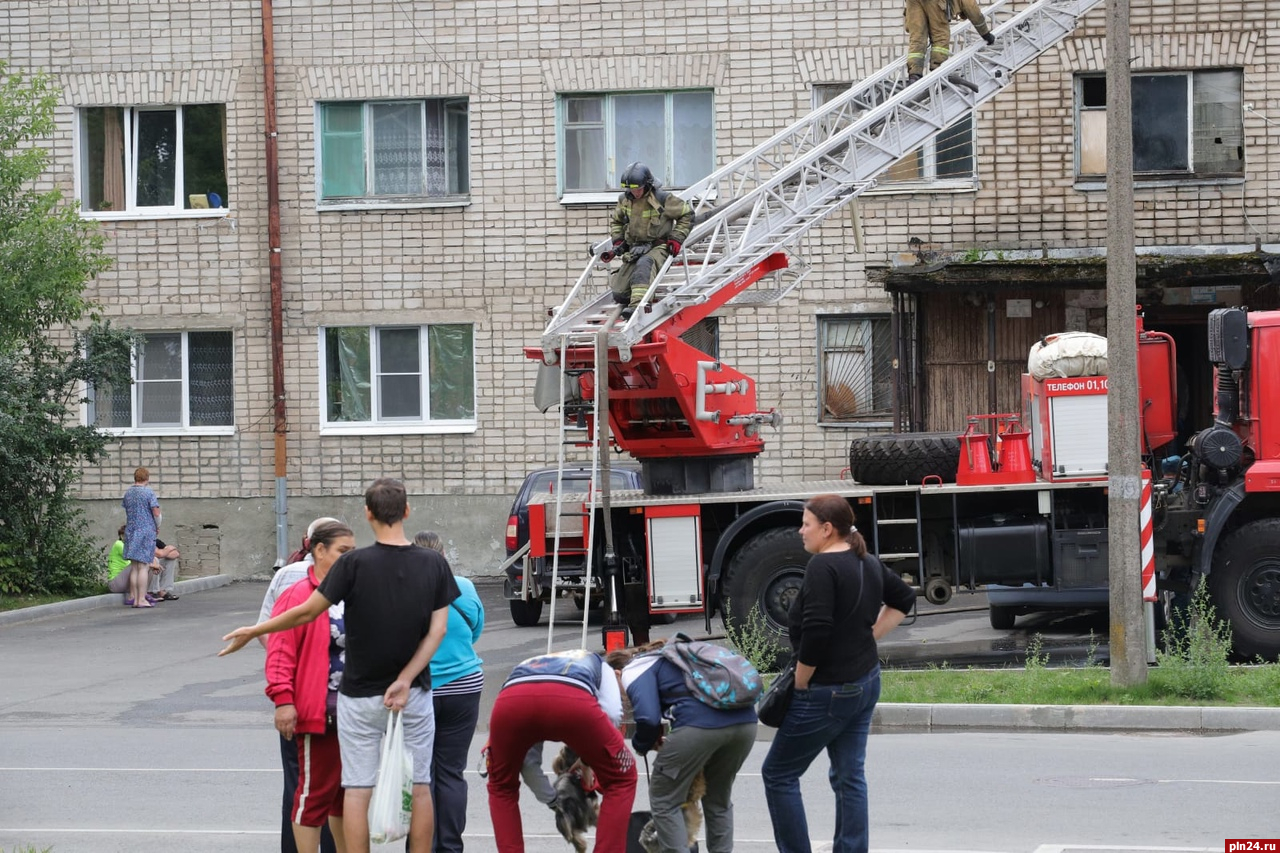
pixel 544 482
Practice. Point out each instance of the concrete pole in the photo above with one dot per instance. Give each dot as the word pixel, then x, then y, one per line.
pixel 1128 652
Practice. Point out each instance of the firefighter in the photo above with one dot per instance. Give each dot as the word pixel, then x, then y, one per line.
pixel 928 25
pixel 645 216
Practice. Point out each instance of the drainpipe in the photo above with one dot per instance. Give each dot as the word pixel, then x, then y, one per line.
pixel 281 427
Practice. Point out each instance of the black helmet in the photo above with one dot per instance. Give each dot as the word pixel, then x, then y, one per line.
pixel 636 175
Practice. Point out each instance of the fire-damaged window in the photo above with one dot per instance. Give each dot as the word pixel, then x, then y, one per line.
pixel 1186 124
pixel 945 161
pixel 397 377
pixel 855 379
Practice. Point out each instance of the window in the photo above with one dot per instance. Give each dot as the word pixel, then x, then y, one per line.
pixel 670 132
pixel 153 159
pixel 1185 125
pixel 855 381
pixel 181 381
pixel 945 160
pixel 399 376
pixel 393 151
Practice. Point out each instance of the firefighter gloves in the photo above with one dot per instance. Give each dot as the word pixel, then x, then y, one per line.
pixel 612 253
pixel 990 38
pixel 674 246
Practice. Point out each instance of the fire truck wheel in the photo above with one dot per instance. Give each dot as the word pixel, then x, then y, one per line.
pixel 765 576
pixel 1245 587
pixel 1002 618
pixel 526 613
pixel 896 458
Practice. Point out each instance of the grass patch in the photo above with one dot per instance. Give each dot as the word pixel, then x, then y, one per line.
pixel 1243 685
pixel 18 602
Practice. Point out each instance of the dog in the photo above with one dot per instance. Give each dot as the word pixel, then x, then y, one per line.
pixel 692 811
pixel 577 805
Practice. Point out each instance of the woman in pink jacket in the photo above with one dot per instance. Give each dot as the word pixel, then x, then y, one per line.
pixel 304 668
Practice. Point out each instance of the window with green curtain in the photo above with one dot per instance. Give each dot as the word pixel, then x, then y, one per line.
pixel 347 378
pixel 451 356
pixel 342 169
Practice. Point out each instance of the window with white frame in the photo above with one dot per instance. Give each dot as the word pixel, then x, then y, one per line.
pixel 393 151
pixel 152 160
pixel 947 160
pixel 1187 124
pixel 600 133
pixel 855 375
pixel 397 376
pixel 182 381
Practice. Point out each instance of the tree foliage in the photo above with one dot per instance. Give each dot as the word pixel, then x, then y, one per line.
pixel 52 346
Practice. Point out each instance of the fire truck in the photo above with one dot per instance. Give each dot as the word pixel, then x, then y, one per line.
pixel 1018 498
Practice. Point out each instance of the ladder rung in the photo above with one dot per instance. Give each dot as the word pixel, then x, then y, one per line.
pixel 897 520
pixel 899 555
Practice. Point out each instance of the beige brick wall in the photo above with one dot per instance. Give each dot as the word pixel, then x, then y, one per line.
pixel 513 251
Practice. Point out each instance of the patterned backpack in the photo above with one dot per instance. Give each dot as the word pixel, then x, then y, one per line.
pixel 716 676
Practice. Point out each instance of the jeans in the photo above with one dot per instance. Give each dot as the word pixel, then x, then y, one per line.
pixel 836 717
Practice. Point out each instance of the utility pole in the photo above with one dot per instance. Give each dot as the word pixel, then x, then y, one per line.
pixel 1124 463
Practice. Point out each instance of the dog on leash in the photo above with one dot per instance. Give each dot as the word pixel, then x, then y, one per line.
pixel 577 805
pixel 692 811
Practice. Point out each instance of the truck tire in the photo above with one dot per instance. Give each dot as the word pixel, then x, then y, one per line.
pixel 526 613
pixel 1245 587
pixel 764 576
pixel 892 459
pixel 1001 618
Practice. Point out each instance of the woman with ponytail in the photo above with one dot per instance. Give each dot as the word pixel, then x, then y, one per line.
pixel 847 601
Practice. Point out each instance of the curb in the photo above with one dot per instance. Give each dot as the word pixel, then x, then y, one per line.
pixel 1069 718
pixel 93 602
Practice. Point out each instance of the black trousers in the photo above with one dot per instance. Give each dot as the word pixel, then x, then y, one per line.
pixel 456 718
pixel 289 761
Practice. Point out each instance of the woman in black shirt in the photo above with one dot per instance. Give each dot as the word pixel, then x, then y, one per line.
pixel 848 601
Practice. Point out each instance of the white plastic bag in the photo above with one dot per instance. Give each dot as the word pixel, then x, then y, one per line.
pixel 391 804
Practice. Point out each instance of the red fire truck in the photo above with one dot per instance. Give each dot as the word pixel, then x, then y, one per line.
pixel 947 512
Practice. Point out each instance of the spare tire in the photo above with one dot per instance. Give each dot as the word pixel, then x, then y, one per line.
pixel 893 459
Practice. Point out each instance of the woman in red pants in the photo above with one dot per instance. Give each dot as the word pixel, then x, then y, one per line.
pixel 573 698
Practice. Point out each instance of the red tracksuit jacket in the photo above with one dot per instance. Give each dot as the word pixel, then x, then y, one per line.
pixel 298 660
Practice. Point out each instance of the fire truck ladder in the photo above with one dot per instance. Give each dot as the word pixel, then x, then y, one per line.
pixel 752 216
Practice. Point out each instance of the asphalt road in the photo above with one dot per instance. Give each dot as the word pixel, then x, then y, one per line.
pixel 120 730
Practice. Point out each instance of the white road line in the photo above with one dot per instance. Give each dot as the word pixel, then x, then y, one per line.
pixel 137 770
pixel 82 831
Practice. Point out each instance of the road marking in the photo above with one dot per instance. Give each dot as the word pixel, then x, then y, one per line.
pixel 82 831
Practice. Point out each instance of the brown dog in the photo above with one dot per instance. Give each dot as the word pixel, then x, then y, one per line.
pixel 692 810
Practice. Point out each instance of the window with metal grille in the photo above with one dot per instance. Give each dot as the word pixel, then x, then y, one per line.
pixel 855 381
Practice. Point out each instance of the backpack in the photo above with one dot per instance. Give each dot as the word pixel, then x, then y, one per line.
pixel 716 676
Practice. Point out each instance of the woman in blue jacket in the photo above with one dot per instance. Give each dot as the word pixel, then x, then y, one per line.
pixel 703 739
pixel 456 682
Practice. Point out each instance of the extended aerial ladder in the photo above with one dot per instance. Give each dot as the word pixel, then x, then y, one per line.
pixel 667 400
pixel 693 422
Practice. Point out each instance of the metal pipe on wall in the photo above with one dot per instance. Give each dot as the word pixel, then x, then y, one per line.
pixel 276 269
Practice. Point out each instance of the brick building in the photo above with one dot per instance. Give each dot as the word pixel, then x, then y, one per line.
pixel 442 167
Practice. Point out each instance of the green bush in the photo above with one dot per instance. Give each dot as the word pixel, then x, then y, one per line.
pixel 1197 648
pixel 753 639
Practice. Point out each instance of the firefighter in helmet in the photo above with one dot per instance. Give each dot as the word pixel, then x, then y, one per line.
pixel 929 31
pixel 648 225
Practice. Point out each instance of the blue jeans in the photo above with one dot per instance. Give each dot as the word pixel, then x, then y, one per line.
pixel 836 717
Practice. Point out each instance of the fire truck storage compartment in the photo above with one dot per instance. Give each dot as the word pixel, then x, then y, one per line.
pixel 675 557
pixel 1004 550
pixel 1080 558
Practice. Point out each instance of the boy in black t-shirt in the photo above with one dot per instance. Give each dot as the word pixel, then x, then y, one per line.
pixel 397 599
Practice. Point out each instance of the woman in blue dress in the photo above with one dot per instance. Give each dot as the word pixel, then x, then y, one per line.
pixel 141 526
